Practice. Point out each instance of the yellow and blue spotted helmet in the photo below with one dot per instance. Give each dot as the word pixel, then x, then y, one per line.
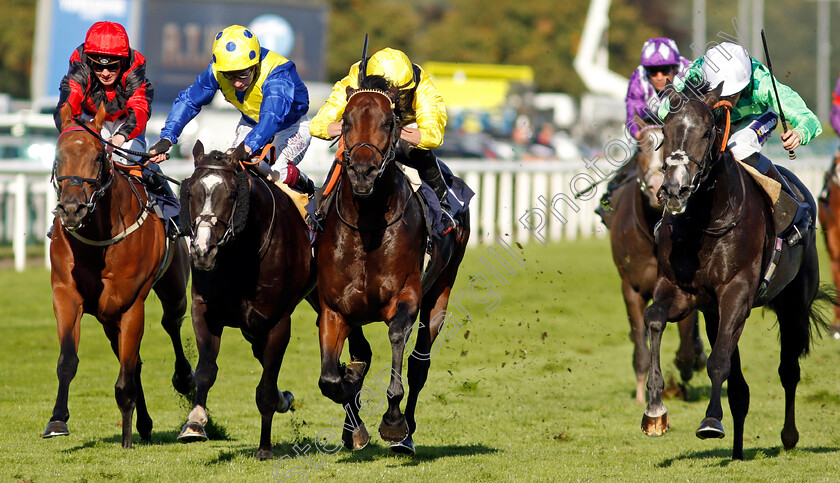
pixel 235 48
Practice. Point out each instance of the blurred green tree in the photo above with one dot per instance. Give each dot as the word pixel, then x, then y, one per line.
pixel 16 38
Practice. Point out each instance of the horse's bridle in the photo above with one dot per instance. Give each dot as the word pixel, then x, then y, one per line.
pixel 211 219
pixel 705 168
pixel 390 153
pixel 101 186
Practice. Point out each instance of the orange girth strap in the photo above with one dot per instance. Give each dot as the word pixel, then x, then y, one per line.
pixel 728 106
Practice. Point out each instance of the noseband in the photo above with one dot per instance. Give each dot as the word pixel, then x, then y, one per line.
pixel 389 154
pixel 100 185
pixel 705 168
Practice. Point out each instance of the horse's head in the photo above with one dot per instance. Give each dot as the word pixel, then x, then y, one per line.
pixel 81 172
pixel 371 131
pixel 649 159
pixel 693 142
pixel 214 200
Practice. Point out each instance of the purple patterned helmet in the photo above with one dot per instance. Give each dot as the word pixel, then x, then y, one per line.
pixel 660 51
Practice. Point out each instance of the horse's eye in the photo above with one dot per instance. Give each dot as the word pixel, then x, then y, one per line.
pixel 707 134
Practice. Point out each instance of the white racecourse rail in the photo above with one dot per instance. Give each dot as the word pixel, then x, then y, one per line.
pixel 520 201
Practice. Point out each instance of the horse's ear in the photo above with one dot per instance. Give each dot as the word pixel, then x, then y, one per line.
pixel 239 152
pixel 198 152
pixel 66 116
pixel 350 91
pixel 99 118
pixel 714 95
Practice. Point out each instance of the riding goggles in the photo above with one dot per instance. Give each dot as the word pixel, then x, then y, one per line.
pixel 240 75
pixel 101 62
pixel 665 69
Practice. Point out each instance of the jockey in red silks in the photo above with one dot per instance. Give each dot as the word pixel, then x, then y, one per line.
pixel 106 70
pixel 660 62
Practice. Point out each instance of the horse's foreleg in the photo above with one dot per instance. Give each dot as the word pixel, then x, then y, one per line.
pixel 144 420
pixel 267 395
pixel 171 289
pixel 208 341
pixel 332 331
pixel 635 305
pixel 655 421
pixel 733 309
pixel 687 354
pixel 394 427
pixel 126 390
pixel 68 314
pixel 355 435
pixel 739 403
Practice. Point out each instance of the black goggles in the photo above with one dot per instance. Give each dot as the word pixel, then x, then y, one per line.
pixel 665 69
pixel 100 63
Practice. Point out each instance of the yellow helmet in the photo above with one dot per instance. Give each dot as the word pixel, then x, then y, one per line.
pixel 393 65
pixel 235 48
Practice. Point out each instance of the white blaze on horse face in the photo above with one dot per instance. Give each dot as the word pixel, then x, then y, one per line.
pixel 679 161
pixel 203 230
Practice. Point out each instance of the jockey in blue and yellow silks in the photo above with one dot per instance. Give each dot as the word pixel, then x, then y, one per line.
pixel 267 90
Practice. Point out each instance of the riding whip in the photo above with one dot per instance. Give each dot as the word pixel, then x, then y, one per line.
pixel 791 154
pixel 363 64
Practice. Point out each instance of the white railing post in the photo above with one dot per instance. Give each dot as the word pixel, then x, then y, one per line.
pixel 488 207
pixel 20 223
pixel 505 207
pixel 473 180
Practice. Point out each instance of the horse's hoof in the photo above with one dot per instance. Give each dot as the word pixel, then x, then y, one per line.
pixel 265 454
pixel 396 433
pixel 184 385
pixel 656 426
pixel 357 439
pixel 405 446
pixel 789 439
pixel 710 428
pixel 192 432
pixel 287 401
pixel 56 428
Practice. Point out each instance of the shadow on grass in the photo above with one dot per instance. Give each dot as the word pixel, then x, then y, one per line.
pixel 375 451
pixel 750 454
pixel 215 432
pixel 690 394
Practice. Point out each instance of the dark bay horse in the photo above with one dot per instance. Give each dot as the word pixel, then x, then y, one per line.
pixel 108 251
pixel 716 241
pixel 370 258
pixel 829 210
pixel 637 210
pixel 251 266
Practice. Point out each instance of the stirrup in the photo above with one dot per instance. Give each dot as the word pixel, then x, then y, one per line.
pixel 448 221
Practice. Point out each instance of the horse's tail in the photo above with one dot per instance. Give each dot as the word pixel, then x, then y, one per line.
pixel 818 318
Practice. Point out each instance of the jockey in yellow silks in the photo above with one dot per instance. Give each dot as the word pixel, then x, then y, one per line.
pixel 267 90
pixel 421 110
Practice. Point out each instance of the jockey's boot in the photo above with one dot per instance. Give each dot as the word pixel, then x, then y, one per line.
pixel 791 217
pixel 431 174
pixel 304 185
pixel 321 201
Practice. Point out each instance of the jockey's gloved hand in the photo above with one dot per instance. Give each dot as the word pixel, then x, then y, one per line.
pixel 161 146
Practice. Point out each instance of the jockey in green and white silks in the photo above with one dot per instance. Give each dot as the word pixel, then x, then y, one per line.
pixel 748 84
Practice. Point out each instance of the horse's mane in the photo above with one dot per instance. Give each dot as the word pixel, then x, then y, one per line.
pixel 403 100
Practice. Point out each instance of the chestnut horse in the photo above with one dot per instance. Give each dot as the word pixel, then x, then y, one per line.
pixel 715 244
pixel 108 250
pixel 251 266
pixel 637 210
pixel 370 258
pixel 830 221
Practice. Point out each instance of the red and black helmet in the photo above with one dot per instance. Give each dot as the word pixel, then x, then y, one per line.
pixel 107 38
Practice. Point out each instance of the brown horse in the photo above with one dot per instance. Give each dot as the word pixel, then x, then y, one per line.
pixel 637 210
pixel 830 221
pixel 370 258
pixel 716 242
pixel 251 266
pixel 108 251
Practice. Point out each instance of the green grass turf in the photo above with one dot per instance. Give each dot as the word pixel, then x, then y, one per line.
pixel 540 388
